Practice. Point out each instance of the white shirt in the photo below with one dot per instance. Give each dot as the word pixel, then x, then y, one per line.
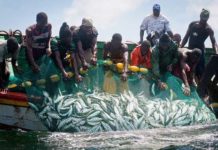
pixel 153 23
pixel 4 54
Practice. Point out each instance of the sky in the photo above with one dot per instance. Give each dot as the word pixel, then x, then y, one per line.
pixel 109 16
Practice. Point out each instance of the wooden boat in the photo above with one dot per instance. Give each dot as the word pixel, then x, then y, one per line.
pixel 16 113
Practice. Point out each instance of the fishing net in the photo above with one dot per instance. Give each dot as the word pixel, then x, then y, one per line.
pixel 103 102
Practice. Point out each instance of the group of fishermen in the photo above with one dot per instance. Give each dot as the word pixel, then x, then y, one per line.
pixel 161 52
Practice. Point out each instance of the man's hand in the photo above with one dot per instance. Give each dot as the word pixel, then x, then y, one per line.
pixel 162 85
pixel 194 83
pixel 94 60
pixel 65 75
pixel 85 66
pixel 124 76
pixel 48 51
pixel 35 68
pixel 79 78
pixel 187 91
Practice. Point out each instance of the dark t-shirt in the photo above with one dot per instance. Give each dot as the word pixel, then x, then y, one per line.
pixel 57 45
pixel 198 35
pixel 80 35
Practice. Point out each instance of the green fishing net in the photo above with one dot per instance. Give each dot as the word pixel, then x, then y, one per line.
pixel 103 102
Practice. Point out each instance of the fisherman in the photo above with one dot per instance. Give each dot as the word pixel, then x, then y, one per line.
pixel 197 33
pixel 185 68
pixel 38 40
pixel 85 39
pixel 60 47
pixel 117 51
pixel 155 25
pixel 8 49
pixel 208 86
pixel 141 55
pixel 177 39
pixel 164 55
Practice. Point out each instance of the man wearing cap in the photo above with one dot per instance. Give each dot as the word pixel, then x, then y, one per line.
pixel 164 55
pixel 155 25
pixel 85 39
pixel 197 33
pixel 8 49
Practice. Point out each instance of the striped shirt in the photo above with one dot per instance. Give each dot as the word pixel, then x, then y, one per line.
pixel 38 40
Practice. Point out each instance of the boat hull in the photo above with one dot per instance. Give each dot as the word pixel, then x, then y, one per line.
pixel 16 113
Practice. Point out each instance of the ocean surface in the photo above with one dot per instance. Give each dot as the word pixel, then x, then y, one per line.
pixel 181 138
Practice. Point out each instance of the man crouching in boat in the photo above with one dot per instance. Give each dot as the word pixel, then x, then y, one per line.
pixel 85 39
pixel 37 40
pixel 185 68
pixel 141 55
pixel 60 47
pixel 8 49
pixel 208 85
pixel 117 52
pixel 164 55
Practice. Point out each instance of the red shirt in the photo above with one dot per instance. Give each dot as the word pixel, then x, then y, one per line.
pixel 138 60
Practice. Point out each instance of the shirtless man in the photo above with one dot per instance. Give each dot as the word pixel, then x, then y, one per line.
pixel 197 33
pixel 117 52
pixel 185 68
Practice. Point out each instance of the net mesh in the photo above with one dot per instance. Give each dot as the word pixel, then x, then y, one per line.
pixel 103 102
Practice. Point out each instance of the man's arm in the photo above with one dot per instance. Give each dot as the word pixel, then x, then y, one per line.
pixel 213 41
pixel 185 39
pixel 141 35
pixel 59 62
pixel 48 44
pixel 81 53
pixel 170 33
pixel 94 49
pixel 143 27
pixel 167 28
pixel 106 51
pixel 75 66
pixel 125 58
pixel 30 51
pixel 183 67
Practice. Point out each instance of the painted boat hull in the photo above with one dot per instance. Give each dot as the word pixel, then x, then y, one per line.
pixel 16 113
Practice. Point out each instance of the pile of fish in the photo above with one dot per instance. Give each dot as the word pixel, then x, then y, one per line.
pixel 101 111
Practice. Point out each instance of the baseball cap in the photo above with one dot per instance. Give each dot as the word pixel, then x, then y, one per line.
pixel 156 7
